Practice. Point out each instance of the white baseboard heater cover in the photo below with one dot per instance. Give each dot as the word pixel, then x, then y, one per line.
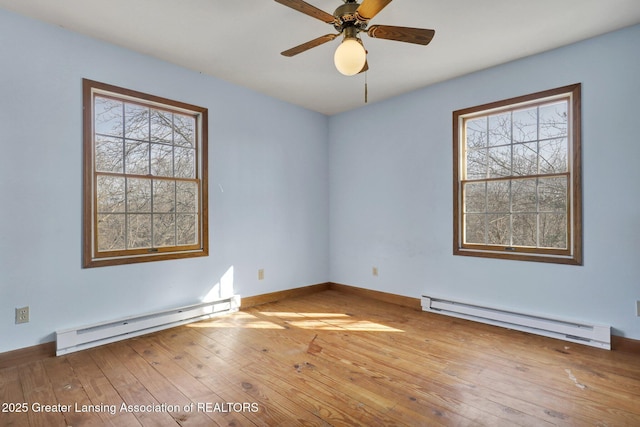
pixel 75 339
pixel 593 335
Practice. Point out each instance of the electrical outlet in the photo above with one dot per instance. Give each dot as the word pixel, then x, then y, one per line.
pixel 261 274
pixel 374 271
pixel 638 308
pixel 22 315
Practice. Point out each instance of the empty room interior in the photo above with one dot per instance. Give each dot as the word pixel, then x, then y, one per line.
pixel 201 227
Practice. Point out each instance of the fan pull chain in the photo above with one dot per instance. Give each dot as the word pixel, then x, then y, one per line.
pixel 366 92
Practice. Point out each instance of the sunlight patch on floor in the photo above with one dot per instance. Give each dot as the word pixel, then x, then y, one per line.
pixel 289 315
pixel 237 320
pixel 341 325
pixel 284 320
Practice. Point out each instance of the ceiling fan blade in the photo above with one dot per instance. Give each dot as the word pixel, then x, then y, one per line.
pixel 308 9
pixel 370 8
pixel 308 45
pixel 401 34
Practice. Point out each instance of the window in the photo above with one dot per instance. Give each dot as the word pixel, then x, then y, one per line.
pixel 517 178
pixel 145 177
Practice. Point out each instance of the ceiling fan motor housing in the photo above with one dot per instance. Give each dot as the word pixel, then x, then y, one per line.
pixel 347 17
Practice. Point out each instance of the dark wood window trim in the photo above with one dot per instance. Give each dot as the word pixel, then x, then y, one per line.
pixel 93 256
pixel 572 254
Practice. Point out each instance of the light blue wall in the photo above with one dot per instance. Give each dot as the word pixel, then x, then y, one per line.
pixel 391 190
pixel 268 187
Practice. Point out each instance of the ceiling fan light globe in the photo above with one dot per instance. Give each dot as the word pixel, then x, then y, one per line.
pixel 350 57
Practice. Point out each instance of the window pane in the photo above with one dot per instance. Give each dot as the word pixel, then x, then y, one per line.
pixel 185 130
pixel 500 129
pixel 477 164
pixel 138 231
pixel 186 229
pixel 161 123
pixel 524 230
pixel 110 194
pixel 475 197
pixel 553 156
pixel 109 154
pixel 164 232
pixel 498 196
pixel 111 228
pixel 553 230
pixel 136 157
pixel 523 195
pixel 476 132
pixel 499 161
pixel 552 194
pixel 185 162
pixel 164 196
pixel 136 122
pixel 525 159
pixel 138 195
pixel 108 117
pixel 186 197
pixel 525 125
pixel 498 229
pixel 474 228
pixel 553 120
pixel 162 160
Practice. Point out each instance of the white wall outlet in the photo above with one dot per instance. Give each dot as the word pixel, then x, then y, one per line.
pixel 638 308
pixel 22 315
pixel 374 271
pixel 261 274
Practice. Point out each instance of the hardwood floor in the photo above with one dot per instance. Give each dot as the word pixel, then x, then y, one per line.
pixel 328 359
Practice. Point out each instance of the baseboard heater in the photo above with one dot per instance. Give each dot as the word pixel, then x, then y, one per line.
pixel 581 333
pixel 75 339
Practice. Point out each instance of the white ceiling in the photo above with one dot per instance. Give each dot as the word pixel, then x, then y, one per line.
pixel 240 41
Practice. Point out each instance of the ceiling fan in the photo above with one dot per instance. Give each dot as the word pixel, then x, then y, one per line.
pixel 350 19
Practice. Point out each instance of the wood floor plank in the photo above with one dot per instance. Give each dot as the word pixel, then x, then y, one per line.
pixel 314 397
pixel 163 391
pixel 102 395
pixel 70 393
pixel 208 365
pixel 132 392
pixel 39 394
pixel 199 395
pixel 268 397
pixel 15 411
